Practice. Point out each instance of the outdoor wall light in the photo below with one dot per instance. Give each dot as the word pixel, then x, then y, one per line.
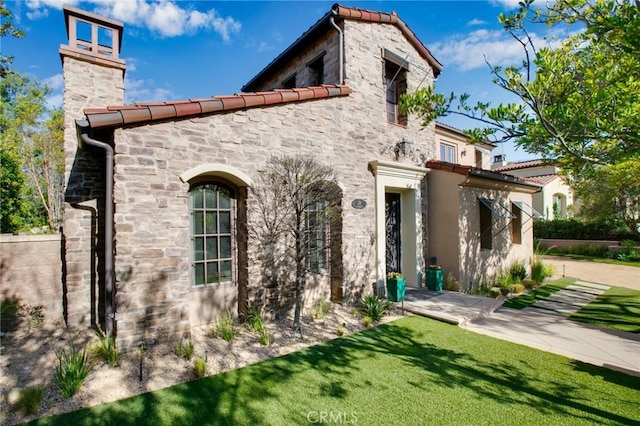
pixel 403 147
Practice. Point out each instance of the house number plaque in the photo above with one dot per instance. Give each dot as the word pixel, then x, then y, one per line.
pixel 358 204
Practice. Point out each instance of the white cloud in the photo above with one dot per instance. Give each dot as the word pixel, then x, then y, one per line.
pixel 510 4
pixel 54 101
pixel 167 18
pixel 476 21
pixel 144 91
pixel 55 82
pixel 468 51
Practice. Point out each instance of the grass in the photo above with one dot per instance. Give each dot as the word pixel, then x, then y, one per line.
pixel 411 371
pixel 618 308
pixel 533 296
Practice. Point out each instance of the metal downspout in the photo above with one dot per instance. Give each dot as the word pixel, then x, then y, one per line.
pixel 108 226
pixel 333 23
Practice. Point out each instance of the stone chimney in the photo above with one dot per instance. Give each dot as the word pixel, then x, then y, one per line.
pixel 93 78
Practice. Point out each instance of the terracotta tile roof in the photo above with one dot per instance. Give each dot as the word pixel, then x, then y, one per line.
pixel 521 165
pixel 145 113
pixel 473 171
pixel 542 179
pixel 323 25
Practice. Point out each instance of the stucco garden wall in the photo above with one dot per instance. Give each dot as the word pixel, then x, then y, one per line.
pixel 31 272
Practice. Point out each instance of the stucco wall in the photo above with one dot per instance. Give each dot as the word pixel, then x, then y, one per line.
pixel 31 272
pixel 154 295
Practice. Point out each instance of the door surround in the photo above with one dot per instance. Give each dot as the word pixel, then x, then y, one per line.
pixel 404 179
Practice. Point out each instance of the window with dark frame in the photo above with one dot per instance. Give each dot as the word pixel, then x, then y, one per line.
pixel 516 224
pixel 316 71
pixel 212 230
pixel 486 225
pixel 396 86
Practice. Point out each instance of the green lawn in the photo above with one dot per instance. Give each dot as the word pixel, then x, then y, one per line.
pixel 596 259
pixel 414 371
pixel 539 293
pixel 618 309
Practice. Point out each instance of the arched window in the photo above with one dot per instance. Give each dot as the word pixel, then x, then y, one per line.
pixel 212 208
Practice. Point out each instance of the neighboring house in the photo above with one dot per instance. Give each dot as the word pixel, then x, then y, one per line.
pixel 452 146
pixel 555 199
pixel 158 202
pixel 479 221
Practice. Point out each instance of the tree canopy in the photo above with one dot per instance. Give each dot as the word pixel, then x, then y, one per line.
pixel 31 145
pixel 578 98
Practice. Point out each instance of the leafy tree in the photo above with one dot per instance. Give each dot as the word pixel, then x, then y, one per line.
pixel 578 99
pixel 288 220
pixel 31 136
pixel 7 28
pixel 614 188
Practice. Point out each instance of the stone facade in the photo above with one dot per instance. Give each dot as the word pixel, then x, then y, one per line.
pixel 87 83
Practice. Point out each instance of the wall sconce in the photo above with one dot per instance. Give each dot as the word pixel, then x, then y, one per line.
pixel 403 147
pixel 464 152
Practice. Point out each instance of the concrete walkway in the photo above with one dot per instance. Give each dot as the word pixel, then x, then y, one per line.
pixel 544 329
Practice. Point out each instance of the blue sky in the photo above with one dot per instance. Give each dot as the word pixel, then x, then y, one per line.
pixel 192 49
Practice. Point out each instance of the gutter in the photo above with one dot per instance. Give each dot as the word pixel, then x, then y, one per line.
pixel 109 311
pixel 341 43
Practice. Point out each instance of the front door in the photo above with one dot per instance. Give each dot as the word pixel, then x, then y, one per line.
pixel 392 230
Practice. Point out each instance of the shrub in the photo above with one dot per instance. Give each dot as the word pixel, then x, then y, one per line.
pixel 367 321
pixel 540 271
pixel 321 308
pixel 29 399
pixel 106 350
pixel 185 350
pixel 341 330
pixel 517 288
pixel 528 284
pixel 200 367
pixel 495 292
pixel 374 307
pixel 265 339
pixel 483 288
pixel 73 367
pixel 518 271
pixel 503 279
pixel 255 321
pixel 451 283
pixel 225 328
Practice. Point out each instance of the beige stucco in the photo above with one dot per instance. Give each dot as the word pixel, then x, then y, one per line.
pixel 454 226
pixel 465 153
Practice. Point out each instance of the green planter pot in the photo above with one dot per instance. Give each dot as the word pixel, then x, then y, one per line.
pixel 434 279
pixel 395 289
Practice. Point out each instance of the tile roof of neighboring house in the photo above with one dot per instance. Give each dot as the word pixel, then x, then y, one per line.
pixel 145 113
pixel 542 179
pixel 473 171
pixel 521 165
pixel 323 24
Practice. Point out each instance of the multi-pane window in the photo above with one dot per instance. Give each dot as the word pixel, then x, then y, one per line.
pixel 447 153
pixel 396 86
pixel 289 83
pixel 211 234
pixel 316 232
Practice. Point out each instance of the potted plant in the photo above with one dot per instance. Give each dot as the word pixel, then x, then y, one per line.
pixel 434 277
pixel 395 286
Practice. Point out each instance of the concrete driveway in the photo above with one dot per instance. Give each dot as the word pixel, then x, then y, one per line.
pixel 601 273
